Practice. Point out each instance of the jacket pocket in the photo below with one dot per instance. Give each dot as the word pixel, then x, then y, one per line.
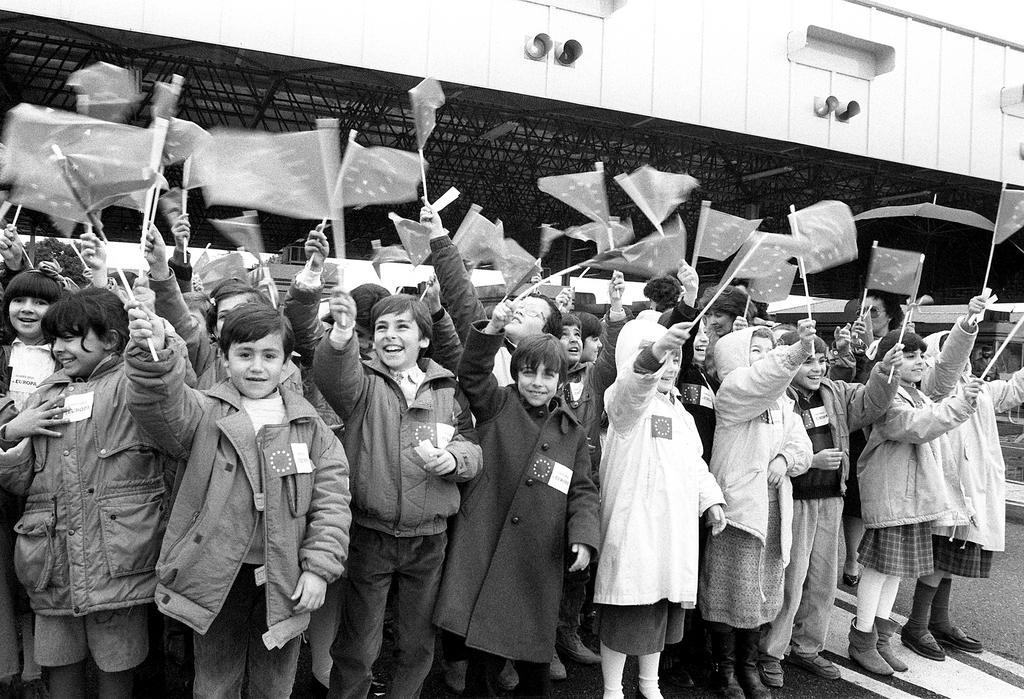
pixel 132 523
pixel 299 487
pixel 35 552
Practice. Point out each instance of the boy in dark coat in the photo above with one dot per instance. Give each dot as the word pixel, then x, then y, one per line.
pixel 501 586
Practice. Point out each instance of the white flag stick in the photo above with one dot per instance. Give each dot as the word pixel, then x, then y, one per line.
pixel 800 262
pixel 992 247
pixel 725 282
pixel 545 280
pixel 131 297
pixel 445 199
pixel 17 213
pixel 903 329
pixel 423 174
pixel 1006 342
pixel 702 223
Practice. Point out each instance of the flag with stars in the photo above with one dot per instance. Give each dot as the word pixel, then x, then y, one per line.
pixel 542 468
pixel 830 233
pixel 771 254
pixel 654 256
pixel 582 191
pixel 477 239
pixel 1010 216
pixel 384 255
pixel 661 427
pixel 105 91
pixel 656 193
pixel 262 279
pixel 427 98
pixel 517 266
pixel 98 162
pixel 164 103
pixel 415 238
pixel 183 139
pixel 425 431
pixel 548 235
pixel 377 175
pixel 243 231
pixel 774 287
pixel 281 463
pixel 213 272
pixel 621 232
pixel 895 271
pixel 720 235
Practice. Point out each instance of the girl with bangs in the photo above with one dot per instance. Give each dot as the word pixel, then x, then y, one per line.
pixel 26 352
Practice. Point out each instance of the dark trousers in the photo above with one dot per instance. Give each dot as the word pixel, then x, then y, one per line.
pixel 574 595
pixel 233 647
pixel 375 559
pixel 484 668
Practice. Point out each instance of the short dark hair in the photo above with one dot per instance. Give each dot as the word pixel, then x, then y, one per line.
pixel 402 303
pixel 252 322
pixel 664 292
pixel 540 349
pixel 590 325
pixel 553 325
pixel 793 337
pixel 228 288
pixel 92 308
pixel 912 342
pixel 893 309
pixel 366 297
pixel 571 320
pixel 28 284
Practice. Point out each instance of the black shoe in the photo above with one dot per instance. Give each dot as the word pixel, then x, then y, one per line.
pixel 747 671
pixel 923 644
pixel 851 580
pixel 723 650
pixel 678 677
pixel 956 637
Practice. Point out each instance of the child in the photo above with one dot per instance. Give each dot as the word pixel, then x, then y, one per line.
pixel 27 359
pixel 759 444
pixel 830 410
pixel 410 439
pixel 655 486
pixel 503 578
pixel 85 554
pixel 260 519
pixel 903 493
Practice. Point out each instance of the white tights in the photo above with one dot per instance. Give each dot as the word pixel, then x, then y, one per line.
pixel 612 665
pixel 876 593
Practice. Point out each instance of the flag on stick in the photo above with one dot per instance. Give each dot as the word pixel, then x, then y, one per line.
pixel 477 239
pixel 330 161
pixel 774 287
pixel 829 233
pixel 376 175
pixel 1010 216
pixel 583 191
pixel 243 232
pixel 212 273
pixel 773 249
pixel 654 256
pixel 656 193
pixel 719 234
pixel 415 238
pixel 895 271
pixel 517 266
pixel 427 98
pixel 384 255
pixel 105 91
pixel 612 234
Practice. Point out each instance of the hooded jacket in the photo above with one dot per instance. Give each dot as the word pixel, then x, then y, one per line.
pixel 755 423
pixel 654 484
pixel 232 476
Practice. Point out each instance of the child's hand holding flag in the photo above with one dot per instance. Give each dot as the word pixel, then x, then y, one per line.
pixel 145 328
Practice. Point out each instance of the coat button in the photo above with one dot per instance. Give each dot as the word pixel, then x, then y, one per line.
pixel 90 490
pixel 544 446
pixel 515 520
pixel 71 532
pixel 529 481
pixel 114 517
pixel 67 452
pixel 103 451
pixel 76 610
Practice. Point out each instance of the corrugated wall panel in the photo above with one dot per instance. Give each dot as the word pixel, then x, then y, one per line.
pixel 885 103
pixel 460 40
pixel 342 44
pixel 955 77
pixel 627 69
pixel 1013 126
pixel 580 82
pixel 396 35
pixel 511 22
pixel 724 65
pixel 678 60
pixel 986 119
pixel 921 114
pixel 768 67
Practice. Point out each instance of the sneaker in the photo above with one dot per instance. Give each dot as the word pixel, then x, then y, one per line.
pixel 572 647
pixel 455 676
pixel 816 665
pixel 770 671
pixel 509 678
pixel 556 671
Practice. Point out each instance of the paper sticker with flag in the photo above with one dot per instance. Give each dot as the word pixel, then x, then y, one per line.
pixel 377 175
pixel 105 91
pixel 243 231
pixel 895 271
pixel 582 191
pixel 415 238
pixel 720 235
pixel 830 233
pixel 1010 216
pixel 427 98
pixel 774 287
pixel 279 173
pixel 656 193
pixel 477 239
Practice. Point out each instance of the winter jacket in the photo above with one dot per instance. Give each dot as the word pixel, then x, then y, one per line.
pixel 980 462
pixel 755 423
pixel 654 485
pixel 391 492
pixel 97 500
pixel 503 576
pixel 458 294
pixel 696 388
pixel 232 476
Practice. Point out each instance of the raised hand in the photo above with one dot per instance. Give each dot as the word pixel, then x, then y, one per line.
pixel 317 245
pixel 182 231
pixel 892 360
pixel 428 217
pixel 690 280
pixel 672 340
pixel 564 300
pixel 500 317
pixel 432 295
pixel 145 326
pixel 155 252
pixel 11 248
pixel 807 330
pixel 343 309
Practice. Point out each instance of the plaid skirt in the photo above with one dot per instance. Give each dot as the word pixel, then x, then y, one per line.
pixel 964 558
pixel 904 551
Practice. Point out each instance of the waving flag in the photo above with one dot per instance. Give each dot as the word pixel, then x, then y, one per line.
pixel 105 91
pixel 774 287
pixel 895 271
pixel 213 272
pixel 477 239
pixel 582 191
pixel 377 175
pixel 415 238
pixel 770 255
pixel 621 232
pixel 183 139
pixel 656 193
pixel 548 235
pixel 829 232
pixel 1010 216
pixel 517 266
pixel 243 231
pixel 427 98
pixel 654 256
pixel 384 255
pixel 279 173
pixel 720 235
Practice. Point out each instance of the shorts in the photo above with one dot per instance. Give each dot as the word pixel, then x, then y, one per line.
pixel 117 639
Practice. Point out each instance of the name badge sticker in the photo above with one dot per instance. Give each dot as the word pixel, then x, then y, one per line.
pixel 444 434
pixel 819 416
pixel 300 454
pixel 561 477
pixel 261 576
pixel 78 407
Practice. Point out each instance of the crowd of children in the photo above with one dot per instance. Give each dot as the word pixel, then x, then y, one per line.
pixel 248 476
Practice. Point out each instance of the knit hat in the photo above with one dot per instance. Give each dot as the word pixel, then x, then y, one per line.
pixel 365 296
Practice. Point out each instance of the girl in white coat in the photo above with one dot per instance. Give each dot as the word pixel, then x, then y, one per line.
pixel 654 487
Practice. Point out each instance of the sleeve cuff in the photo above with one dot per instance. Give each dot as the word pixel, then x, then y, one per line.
pixel 646 362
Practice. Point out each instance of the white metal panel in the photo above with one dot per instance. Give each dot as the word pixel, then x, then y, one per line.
pixel 327 30
pixel 460 40
pixel 580 82
pixel 806 83
pixel 724 65
pixel 396 35
pixel 511 22
pixel 627 71
pixel 43 8
pixel 850 136
pixel 768 67
pixel 678 48
pixel 921 118
pixel 851 18
pixel 986 119
pixel 955 78
pixel 265 25
pixel 885 105
pixel 817 12
pixel 103 13
pixel 1013 126
pixel 198 20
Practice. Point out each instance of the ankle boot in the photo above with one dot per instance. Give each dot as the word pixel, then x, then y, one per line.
pixel 747 653
pixel 723 652
pixel 886 628
pixel 864 650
